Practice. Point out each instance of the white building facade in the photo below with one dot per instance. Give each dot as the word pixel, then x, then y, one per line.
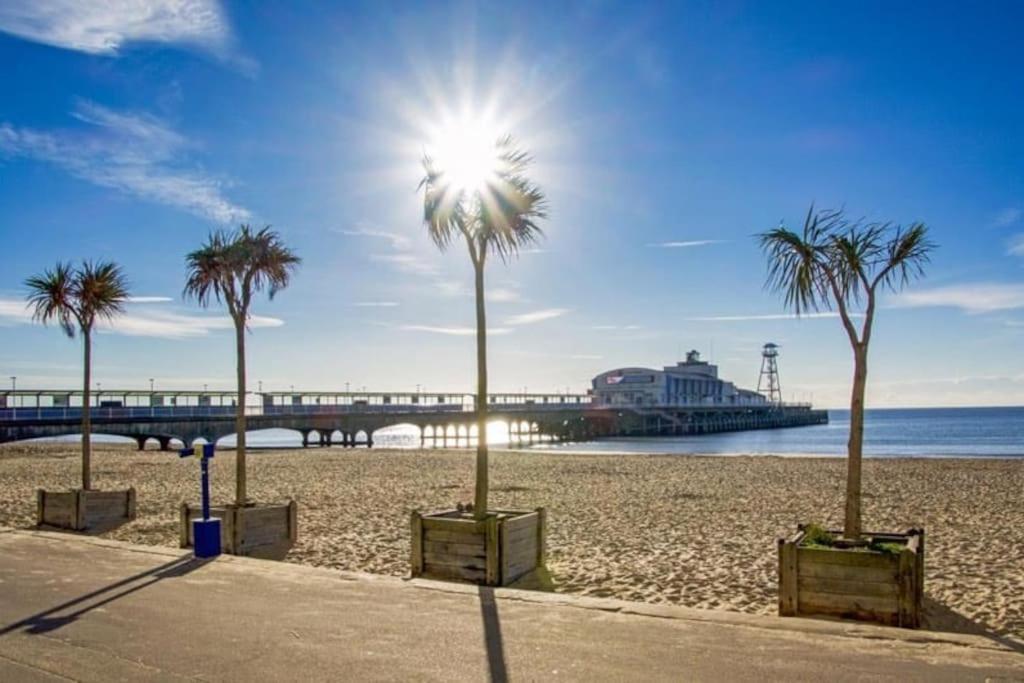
pixel 692 382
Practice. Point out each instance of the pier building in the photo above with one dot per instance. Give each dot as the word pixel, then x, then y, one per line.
pixel 692 382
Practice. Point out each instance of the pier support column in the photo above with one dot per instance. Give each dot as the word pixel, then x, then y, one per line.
pixel 305 438
pixel 141 440
pixel 165 443
pixel 369 439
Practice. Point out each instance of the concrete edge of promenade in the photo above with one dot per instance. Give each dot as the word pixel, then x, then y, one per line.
pixel 675 612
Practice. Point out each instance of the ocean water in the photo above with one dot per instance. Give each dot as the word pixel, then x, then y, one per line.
pixel 932 432
pixel 939 432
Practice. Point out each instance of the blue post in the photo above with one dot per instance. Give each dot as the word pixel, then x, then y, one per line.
pixel 204 466
pixel 205 531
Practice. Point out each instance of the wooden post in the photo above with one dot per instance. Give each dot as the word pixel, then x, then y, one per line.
pixel 542 533
pixel 78 517
pixel 492 570
pixel 906 590
pixel 416 558
pixel 293 520
pixel 920 569
pixel 40 506
pixel 788 587
pixel 131 503
pixel 237 515
pixel 183 540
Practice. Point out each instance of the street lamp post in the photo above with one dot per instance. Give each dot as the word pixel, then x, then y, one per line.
pixel 14 388
pixel 151 385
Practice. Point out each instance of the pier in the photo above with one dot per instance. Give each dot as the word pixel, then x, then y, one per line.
pixel 351 419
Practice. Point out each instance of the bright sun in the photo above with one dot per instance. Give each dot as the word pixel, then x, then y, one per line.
pixel 465 151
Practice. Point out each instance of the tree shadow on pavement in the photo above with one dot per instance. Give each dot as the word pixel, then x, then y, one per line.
pixel 492 636
pixel 52 619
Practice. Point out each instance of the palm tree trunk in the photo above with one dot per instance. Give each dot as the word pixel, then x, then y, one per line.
pixel 240 493
pixel 86 412
pixel 855 445
pixel 480 494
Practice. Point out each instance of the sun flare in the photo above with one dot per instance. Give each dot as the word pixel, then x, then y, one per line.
pixel 465 151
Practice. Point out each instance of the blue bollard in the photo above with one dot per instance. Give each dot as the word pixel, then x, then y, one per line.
pixel 206 535
pixel 205 531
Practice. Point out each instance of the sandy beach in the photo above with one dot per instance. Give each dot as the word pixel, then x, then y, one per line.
pixel 688 530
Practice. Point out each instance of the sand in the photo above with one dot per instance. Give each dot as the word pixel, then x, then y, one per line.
pixel 687 530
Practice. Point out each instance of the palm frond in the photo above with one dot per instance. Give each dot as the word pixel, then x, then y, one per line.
pixel 51 297
pixel 231 267
pixel 101 289
pixel 501 217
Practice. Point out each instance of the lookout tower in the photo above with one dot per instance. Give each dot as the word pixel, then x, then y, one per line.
pixel 768 382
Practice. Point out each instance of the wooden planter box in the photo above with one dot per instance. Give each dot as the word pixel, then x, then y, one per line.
pixel 247 530
pixel 81 510
pixel 494 551
pixel 854 583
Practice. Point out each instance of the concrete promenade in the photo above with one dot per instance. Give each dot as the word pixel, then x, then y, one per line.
pixel 80 608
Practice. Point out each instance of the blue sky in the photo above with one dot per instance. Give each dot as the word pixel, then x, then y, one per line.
pixel 665 136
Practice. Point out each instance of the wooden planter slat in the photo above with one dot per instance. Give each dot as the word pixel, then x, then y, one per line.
pixel 440 536
pixel 495 551
pixel 813 584
pixel 854 583
pixel 453 524
pixel 884 574
pixel 454 549
pixel 455 573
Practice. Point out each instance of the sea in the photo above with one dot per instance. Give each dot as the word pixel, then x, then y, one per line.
pixel 888 433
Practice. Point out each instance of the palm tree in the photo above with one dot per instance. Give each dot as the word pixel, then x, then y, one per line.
pixel 497 217
pixel 232 267
pixel 76 298
pixel 841 263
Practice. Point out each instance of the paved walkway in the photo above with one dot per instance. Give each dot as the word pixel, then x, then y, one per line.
pixel 86 609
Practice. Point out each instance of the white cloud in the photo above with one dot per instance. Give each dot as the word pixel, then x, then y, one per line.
pixel 375 304
pixel 980 297
pixel 769 316
pixel 14 311
pixel 149 299
pixel 178 325
pixel 683 245
pixel 615 328
pixel 136 154
pixel 536 316
pixel 1007 217
pixel 454 331
pixel 1017 245
pixel 453 289
pixel 398 242
pixel 501 295
pixel 406 263
pixel 103 28
pixel 147 323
